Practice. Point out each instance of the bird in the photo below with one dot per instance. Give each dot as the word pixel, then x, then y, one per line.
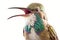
pixel 37 27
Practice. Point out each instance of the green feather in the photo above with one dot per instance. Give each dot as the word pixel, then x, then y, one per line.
pixel 38 25
pixel 27 28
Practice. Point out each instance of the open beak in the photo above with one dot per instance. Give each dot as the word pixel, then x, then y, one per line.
pixel 24 9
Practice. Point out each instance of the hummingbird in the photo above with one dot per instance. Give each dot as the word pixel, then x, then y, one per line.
pixel 37 27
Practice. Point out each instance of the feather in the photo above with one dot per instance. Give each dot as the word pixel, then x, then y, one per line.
pixel 52 33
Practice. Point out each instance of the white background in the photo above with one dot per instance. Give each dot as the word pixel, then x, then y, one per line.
pixel 13 29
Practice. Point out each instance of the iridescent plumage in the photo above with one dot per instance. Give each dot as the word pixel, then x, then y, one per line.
pixel 37 27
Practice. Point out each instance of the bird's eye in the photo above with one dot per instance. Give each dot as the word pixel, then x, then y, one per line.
pixel 44 18
pixel 36 9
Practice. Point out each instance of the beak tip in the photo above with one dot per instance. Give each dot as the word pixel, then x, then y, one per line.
pixel 10 8
pixel 8 18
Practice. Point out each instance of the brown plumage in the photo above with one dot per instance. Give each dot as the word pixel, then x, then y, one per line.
pixel 47 34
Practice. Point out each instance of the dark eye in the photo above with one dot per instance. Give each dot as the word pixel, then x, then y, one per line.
pixel 36 10
pixel 44 17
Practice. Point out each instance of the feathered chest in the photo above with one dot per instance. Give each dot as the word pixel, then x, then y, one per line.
pixel 34 21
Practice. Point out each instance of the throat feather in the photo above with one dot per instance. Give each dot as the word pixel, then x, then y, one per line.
pixel 37 24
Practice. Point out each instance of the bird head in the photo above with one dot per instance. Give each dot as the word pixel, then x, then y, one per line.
pixel 29 12
pixel 32 8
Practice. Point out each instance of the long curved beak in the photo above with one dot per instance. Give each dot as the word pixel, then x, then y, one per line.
pixel 24 15
pixel 24 9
